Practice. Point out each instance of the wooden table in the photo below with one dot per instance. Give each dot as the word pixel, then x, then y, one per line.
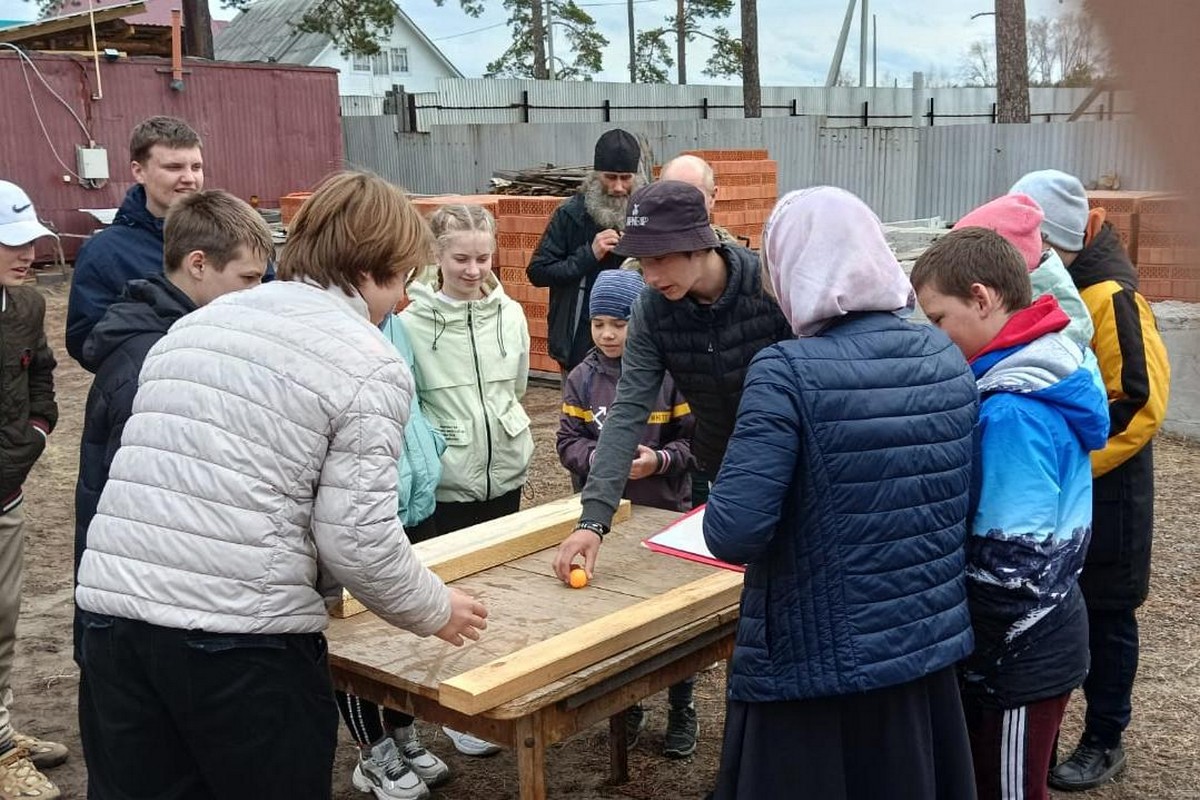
pixel 527 604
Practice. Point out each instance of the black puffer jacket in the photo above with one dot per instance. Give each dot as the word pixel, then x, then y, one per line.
pixel 707 349
pixel 115 350
pixel 27 407
pixel 564 261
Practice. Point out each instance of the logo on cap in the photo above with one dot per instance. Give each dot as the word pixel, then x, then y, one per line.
pixel 635 220
pixel 18 210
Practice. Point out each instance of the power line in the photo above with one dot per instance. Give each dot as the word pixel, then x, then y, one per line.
pixel 468 33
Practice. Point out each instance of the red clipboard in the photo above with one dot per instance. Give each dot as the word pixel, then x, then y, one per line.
pixel 683 529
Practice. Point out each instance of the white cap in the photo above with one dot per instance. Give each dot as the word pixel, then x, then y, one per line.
pixel 18 221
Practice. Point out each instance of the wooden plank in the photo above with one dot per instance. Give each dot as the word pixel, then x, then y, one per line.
pixel 488 544
pixel 499 541
pixel 525 670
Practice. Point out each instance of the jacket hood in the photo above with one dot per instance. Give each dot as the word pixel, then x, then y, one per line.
pixel 134 214
pixel 1053 369
pixel 1103 259
pixel 147 306
pixel 444 315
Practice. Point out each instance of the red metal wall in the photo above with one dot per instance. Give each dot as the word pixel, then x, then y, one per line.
pixel 268 129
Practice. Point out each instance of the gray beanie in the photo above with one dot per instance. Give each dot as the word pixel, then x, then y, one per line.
pixel 1064 202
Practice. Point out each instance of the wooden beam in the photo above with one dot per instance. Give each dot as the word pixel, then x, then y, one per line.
pixel 41 28
pixel 489 544
pixel 507 678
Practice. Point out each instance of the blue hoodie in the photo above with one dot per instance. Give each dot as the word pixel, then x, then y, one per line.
pixel 1042 412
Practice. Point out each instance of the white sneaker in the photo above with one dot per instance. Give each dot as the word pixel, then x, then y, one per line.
pixel 431 769
pixel 470 745
pixel 385 774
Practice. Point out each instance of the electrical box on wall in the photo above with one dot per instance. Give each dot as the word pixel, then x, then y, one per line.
pixel 93 163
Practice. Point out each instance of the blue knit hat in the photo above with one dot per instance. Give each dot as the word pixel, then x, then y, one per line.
pixel 1064 202
pixel 614 292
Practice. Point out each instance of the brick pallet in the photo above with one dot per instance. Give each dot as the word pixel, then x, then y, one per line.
pixel 1159 233
pixel 747 188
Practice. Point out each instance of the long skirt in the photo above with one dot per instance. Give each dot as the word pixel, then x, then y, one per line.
pixel 906 742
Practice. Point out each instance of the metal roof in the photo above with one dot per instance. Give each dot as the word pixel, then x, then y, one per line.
pixel 265 31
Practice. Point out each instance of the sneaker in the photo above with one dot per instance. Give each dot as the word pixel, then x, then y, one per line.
pixel 20 779
pixel 43 754
pixel 384 773
pixel 682 730
pixel 429 768
pixel 635 723
pixel 1088 767
pixel 470 745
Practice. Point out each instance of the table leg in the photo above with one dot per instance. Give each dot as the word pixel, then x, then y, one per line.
pixel 531 757
pixel 618 748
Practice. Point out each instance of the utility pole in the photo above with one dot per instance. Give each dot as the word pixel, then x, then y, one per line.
pixel 632 44
pixel 862 43
pixel 836 66
pixel 875 50
pixel 197 29
pixel 550 37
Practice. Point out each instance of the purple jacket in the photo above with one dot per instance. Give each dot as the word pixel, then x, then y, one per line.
pixel 590 390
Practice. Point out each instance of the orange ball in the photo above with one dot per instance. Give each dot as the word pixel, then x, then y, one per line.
pixel 578 578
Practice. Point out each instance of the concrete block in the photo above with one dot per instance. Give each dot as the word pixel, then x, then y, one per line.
pixel 1179 324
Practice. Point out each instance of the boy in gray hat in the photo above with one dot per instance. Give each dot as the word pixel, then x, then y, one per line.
pixel 707 317
pixel 1133 363
pixel 578 244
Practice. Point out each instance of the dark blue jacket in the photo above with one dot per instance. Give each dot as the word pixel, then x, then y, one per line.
pixel 845 491
pixel 130 248
pixel 114 351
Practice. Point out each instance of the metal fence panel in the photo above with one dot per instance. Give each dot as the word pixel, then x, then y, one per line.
pixel 902 173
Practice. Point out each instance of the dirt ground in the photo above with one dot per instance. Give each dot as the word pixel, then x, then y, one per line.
pixel 1164 759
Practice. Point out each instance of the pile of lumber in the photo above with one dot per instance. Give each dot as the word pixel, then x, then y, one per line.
pixel 547 180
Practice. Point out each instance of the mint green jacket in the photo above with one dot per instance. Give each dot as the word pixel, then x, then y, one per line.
pixel 420 468
pixel 471 365
pixel 1051 277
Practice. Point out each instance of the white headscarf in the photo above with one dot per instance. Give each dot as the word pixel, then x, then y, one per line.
pixel 826 256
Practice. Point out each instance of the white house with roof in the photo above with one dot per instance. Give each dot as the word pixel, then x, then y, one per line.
pixel 265 32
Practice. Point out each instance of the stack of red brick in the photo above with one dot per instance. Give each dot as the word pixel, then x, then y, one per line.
pixel 747 188
pixel 520 222
pixel 1160 235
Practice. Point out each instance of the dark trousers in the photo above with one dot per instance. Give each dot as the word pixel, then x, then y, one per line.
pixel 450 517
pixel 1012 748
pixel 190 715
pixel 1109 685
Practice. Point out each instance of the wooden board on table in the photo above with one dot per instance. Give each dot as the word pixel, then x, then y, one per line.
pixel 526 604
pixel 479 547
pixel 549 660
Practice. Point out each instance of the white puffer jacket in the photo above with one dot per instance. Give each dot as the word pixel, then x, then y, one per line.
pixel 258 472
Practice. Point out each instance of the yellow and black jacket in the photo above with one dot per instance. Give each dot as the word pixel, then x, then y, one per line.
pixel 1137 375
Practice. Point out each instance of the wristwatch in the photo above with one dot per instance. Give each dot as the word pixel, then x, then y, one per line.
pixel 598 528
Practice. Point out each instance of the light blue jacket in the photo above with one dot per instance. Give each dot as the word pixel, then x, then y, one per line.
pixel 421 466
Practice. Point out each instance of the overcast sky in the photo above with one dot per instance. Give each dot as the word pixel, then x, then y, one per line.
pixel 796 37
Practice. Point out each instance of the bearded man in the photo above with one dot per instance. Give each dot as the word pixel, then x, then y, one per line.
pixel 578 244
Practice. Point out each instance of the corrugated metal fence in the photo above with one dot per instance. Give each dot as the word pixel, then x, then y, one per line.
pixel 902 173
